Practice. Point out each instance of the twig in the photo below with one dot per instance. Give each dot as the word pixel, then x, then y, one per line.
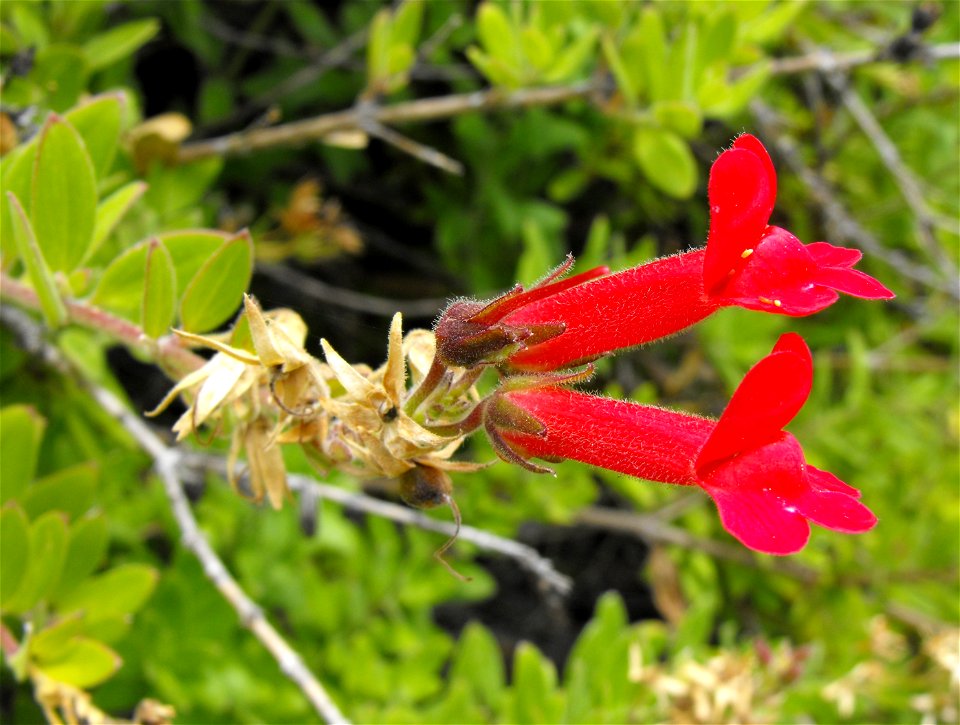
pixel 165 462
pixel 350 299
pixel 844 225
pixel 431 109
pixel 825 61
pixel 652 528
pixel 525 556
pixel 426 109
pixel 416 149
pixel 902 176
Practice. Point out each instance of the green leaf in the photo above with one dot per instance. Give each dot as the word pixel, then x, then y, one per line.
pixel 98 123
pixel 173 189
pixel 407 21
pixel 190 249
pixel 400 60
pixel 86 547
pixel 534 683
pixel 111 210
pixel 14 551
pixel 497 35
pixel 51 305
pixel 682 65
pixel 159 305
pixel 728 100
pixel 51 641
pixel 120 289
pixel 216 291
pixel 48 538
pixel 681 117
pixel 653 53
pixel 21 430
pixel 378 48
pixel 536 47
pixel 620 71
pixel 572 58
pixel 479 662
pixel 596 251
pixel 119 42
pixel 717 41
pixel 16 175
pixel 666 160
pixel 70 490
pixel 538 255
pixel 28 20
pixel 122 590
pixel 496 71
pixel 61 72
pixel 83 663
pixel 64 195
pixel 773 22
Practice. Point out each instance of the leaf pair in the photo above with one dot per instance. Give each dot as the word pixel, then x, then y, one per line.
pixel 199 276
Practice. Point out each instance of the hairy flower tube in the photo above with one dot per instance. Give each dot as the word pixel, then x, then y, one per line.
pixel 755 472
pixel 746 263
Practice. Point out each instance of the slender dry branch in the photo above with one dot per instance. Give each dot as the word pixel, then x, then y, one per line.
pixel 432 109
pixel 526 556
pixel 843 224
pixel 350 299
pixel 903 177
pixel 165 461
pixel 425 153
pixel 824 60
pixel 359 117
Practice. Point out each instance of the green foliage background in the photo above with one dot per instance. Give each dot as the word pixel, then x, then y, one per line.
pixel 866 629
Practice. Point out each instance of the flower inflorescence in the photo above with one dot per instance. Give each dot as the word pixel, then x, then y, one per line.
pixel 407 418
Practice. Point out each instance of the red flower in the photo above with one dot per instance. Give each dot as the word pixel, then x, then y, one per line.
pixel 761 267
pixel 754 471
pixel 746 263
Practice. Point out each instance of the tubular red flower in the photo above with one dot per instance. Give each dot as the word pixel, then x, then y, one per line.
pixel 755 472
pixel 746 263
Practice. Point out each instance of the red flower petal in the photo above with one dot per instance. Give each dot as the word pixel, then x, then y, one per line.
pixel 827 255
pixel 742 191
pixel 834 510
pixel 754 493
pixel 761 522
pixel 853 282
pixel 750 142
pixel 778 277
pixel 770 395
pixel 828 482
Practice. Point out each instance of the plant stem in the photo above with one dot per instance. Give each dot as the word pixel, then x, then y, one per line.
pixel 168 352
pixel 359 117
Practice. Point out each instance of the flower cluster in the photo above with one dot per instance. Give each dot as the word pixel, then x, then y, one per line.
pixel 404 420
pixel 755 472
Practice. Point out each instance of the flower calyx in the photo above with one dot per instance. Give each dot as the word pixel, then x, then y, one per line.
pixel 501 415
pixel 471 333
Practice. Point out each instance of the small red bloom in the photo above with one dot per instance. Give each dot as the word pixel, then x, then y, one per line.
pixel 755 472
pixel 746 263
